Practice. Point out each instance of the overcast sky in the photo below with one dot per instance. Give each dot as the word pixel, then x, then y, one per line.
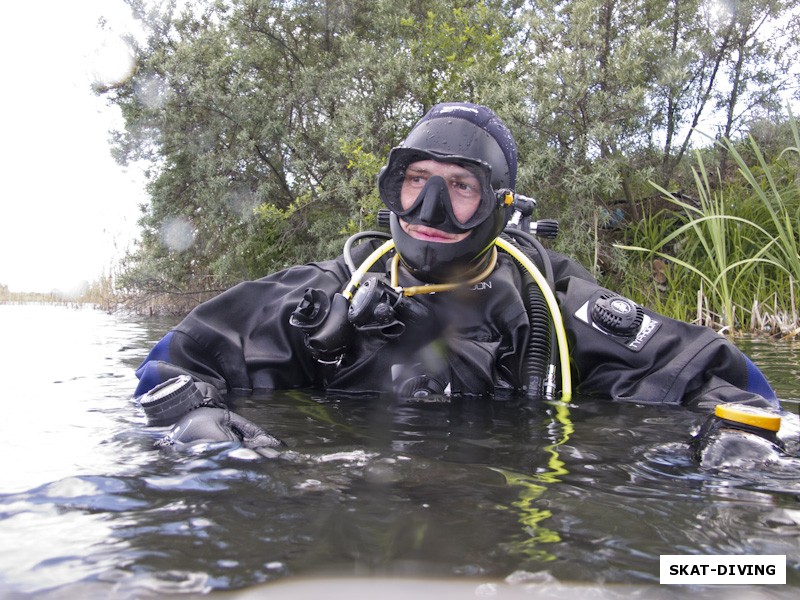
pixel 67 210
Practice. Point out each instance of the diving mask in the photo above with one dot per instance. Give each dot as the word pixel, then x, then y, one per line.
pixel 454 194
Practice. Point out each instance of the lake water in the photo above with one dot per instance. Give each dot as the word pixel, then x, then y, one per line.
pixel 372 497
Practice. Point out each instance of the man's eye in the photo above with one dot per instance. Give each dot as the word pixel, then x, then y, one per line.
pixel 463 187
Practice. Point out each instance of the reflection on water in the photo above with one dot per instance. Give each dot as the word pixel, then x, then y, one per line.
pixel 780 361
pixel 467 489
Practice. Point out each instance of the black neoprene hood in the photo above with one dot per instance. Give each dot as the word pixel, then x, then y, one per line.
pixel 471 131
pixel 449 132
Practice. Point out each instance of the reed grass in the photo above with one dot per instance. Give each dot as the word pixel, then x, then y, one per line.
pixel 737 246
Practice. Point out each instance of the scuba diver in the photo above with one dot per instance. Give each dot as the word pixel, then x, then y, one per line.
pixel 460 299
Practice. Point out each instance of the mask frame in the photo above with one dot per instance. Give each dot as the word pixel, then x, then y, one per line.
pixel 392 177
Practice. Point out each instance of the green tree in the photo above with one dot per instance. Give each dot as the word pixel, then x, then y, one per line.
pixel 589 67
pixel 266 121
pixel 728 59
pixel 616 88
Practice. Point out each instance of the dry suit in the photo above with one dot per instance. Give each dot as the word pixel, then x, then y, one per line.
pixel 466 341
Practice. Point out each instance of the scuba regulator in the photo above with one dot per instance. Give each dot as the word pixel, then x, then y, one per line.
pixel 375 306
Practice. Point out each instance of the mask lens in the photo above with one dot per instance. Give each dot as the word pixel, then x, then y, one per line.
pixel 471 198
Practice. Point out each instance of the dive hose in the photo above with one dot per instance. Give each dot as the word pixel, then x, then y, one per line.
pixel 554 310
pixel 550 304
pixel 540 363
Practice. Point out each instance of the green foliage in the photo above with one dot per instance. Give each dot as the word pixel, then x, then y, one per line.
pixel 458 50
pixel 364 167
pixel 265 122
pixel 738 244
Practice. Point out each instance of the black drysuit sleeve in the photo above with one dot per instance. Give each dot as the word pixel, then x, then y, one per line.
pixel 664 362
pixel 241 339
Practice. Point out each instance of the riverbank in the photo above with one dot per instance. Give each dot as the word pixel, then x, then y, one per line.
pixel 761 320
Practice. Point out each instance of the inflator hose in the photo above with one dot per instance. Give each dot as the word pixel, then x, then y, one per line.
pixel 553 310
pixel 538 351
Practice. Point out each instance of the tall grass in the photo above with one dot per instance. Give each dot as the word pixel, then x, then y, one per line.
pixel 774 196
pixel 736 248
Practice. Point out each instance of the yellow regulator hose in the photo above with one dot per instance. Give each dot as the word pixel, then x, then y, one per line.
pixel 552 305
pixel 555 313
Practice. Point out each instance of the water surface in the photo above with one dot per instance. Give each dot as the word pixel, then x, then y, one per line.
pixel 467 491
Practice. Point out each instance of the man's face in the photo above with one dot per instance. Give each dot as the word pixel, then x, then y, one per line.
pixel 462 186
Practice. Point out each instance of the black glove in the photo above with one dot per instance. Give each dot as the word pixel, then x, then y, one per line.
pixel 207 424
